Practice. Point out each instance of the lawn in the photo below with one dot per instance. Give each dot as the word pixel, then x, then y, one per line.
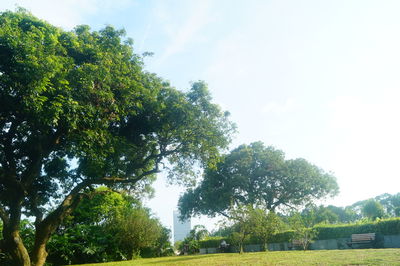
pixel 317 257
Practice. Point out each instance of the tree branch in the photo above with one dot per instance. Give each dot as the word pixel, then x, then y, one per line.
pixel 224 214
pixel 121 180
pixel 54 219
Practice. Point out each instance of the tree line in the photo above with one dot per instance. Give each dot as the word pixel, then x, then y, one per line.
pixel 248 224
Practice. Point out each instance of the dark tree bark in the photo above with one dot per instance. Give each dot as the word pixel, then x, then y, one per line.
pixel 12 241
pixel 14 246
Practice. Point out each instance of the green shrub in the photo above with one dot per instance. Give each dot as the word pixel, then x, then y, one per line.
pixel 389 226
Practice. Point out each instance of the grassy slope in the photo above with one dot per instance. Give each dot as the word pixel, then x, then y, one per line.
pixel 318 257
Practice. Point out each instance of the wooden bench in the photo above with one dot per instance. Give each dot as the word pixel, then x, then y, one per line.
pixel 361 239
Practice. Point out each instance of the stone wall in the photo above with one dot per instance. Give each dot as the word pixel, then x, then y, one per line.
pixel 392 241
pixel 389 241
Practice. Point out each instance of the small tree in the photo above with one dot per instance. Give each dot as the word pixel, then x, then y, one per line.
pixel 191 243
pixel 199 232
pixel 242 227
pixel 303 230
pixel 264 225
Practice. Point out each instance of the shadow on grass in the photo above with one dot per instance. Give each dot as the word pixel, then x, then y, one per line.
pixel 184 258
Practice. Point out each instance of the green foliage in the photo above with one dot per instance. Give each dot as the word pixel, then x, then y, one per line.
pixel 198 232
pixel 162 246
pixel 78 110
pixel 321 231
pixel 191 244
pixel 373 209
pixel 397 211
pixel 222 231
pixel 101 205
pixel 240 216
pixel 345 215
pixel 259 176
pixel 108 226
pixel 320 214
pixel 265 225
pixel 384 227
pixel 388 202
pixel 286 236
pixel 188 246
pixel 212 241
pixel 82 244
pixel 303 232
pixel 134 231
pixel 27 232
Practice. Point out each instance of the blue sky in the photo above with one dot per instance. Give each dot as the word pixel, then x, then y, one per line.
pixel 317 79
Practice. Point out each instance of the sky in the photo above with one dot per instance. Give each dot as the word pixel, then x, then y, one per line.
pixel 317 79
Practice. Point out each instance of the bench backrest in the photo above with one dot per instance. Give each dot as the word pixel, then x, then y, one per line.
pixel 362 237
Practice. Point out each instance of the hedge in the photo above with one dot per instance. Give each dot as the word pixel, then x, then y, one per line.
pixel 384 227
pixel 212 242
pixel 282 237
pixel 326 231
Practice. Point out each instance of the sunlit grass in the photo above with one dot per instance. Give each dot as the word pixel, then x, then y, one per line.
pixel 318 257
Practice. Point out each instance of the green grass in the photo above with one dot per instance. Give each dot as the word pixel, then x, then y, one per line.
pixel 317 257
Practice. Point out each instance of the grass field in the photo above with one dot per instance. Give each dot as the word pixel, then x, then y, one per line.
pixel 318 257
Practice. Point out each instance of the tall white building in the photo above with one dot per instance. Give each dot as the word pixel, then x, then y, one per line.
pixel 181 229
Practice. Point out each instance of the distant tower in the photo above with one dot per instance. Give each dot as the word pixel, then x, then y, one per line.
pixel 181 229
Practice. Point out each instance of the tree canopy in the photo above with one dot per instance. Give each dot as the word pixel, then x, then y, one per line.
pixel 259 176
pixel 77 109
pixel 373 209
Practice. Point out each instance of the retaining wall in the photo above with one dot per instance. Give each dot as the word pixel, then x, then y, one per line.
pixel 389 241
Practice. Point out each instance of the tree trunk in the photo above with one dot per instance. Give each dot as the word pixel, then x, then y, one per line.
pixel 42 236
pixel 46 227
pixel 15 247
pixel 264 246
pixel 13 244
pixel 39 254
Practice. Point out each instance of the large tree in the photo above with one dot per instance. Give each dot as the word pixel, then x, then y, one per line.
pixel 259 176
pixel 78 110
